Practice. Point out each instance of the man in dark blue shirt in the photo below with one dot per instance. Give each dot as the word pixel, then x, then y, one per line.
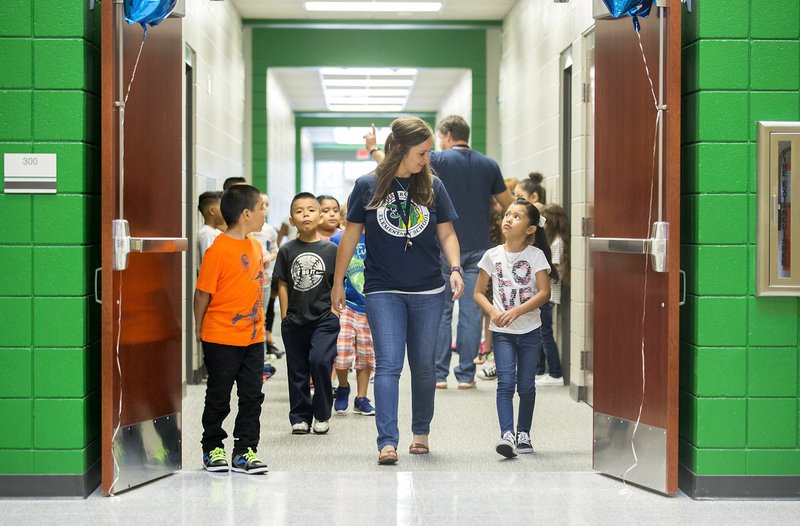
pixel 471 179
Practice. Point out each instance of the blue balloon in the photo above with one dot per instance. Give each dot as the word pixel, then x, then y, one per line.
pixel 150 12
pixel 632 8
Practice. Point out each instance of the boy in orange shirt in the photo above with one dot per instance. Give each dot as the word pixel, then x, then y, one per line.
pixel 229 321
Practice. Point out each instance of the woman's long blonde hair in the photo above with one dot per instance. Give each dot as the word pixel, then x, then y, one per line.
pixel 407 132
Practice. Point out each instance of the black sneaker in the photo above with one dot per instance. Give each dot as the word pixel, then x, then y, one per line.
pixel 215 461
pixel 524 443
pixel 506 446
pixel 249 463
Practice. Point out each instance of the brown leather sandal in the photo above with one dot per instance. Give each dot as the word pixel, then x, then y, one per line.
pixel 417 448
pixel 387 456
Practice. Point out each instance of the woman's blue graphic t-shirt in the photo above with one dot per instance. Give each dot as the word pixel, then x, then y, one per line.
pixel 389 266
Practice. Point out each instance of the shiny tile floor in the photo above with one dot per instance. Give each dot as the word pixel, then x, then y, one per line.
pixel 392 497
pixel 334 479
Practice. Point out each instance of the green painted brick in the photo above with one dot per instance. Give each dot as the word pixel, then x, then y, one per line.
pixel 772 422
pixel 65 461
pixel 59 63
pixel 688 218
pixel 721 321
pixel 64 271
pixel 16 419
pixel 721 64
pixel 15 374
pixel 61 373
pixel 60 219
pixel 15 216
pixel 16 63
pixel 63 322
pixel 16 19
pixel 719 116
pixel 720 462
pixel 721 219
pixel 16 115
pixel 772 371
pixel 717 19
pixel 721 372
pixel 55 18
pixel 720 270
pixel 774 65
pixel 722 167
pixel 62 116
pixel 772 106
pixel 78 166
pixel 775 19
pixel 721 423
pixel 689 168
pixel 15 323
pixel 16 268
pixel 16 462
pixel 773 462
pixel 772 321
pixel 61 423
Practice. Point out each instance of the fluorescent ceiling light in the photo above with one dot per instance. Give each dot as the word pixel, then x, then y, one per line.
pixel 345 107
pixel 383 7
pixel 371 101
pixel 363 92
pixel 372 72
pixel 364 82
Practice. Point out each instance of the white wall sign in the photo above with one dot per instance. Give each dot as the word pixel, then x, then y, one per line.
pixel 29 173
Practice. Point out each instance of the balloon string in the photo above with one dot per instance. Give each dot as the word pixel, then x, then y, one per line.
pixel 647 70
pixel 646 260
pixel 135 65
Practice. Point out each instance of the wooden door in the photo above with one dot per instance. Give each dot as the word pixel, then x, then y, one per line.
pixel 635 311
pixel 141 335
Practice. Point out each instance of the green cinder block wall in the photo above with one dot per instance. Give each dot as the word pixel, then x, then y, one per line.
pixel 740 369
pixel 49 248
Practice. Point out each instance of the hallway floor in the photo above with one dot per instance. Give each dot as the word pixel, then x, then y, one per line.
pixel 335 479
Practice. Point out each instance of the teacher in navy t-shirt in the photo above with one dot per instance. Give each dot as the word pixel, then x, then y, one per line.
pixel 408 216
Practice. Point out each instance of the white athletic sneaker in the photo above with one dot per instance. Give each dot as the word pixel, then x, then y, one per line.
pixel 545 380
pixel 321 427
pixel 300 428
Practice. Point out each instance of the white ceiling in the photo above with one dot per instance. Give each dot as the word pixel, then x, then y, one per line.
pixel 451 10
pixel 302 87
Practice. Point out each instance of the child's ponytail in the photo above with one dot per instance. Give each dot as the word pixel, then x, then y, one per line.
pixel 539 237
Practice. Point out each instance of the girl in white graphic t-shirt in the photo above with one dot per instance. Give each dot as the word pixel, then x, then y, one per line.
pixel 520 275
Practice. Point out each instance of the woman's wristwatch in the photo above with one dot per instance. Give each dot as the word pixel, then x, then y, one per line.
pixel 457 268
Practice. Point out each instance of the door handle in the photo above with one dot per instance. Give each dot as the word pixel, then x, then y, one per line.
pixel 656 245
pixel 124 244
pixel 97 295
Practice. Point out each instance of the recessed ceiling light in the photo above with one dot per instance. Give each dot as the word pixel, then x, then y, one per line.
pixel 399 7
pixel 350 107
pixel 372 72
pixel 365 82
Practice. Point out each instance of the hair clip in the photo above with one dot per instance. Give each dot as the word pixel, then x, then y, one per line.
pixel 542 221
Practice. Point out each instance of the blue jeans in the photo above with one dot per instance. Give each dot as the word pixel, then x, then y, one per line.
pixel 468 332
pixel 549 352
pixel 516 357
pixel 399 322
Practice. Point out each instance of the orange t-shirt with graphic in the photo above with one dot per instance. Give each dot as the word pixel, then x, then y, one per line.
pixel 232 271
